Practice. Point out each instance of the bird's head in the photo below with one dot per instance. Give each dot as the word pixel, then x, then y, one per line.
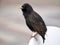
pixel 26 8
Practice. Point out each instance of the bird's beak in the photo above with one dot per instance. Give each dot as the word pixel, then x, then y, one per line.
pixel 19 7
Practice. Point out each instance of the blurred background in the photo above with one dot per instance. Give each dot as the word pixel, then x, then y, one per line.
pixel 13 30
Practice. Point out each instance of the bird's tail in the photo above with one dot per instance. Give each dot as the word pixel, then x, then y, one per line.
pixel 43 36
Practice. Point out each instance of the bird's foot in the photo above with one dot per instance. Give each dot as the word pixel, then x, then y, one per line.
pixel 34 35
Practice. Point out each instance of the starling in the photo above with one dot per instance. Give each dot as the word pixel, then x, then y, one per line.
pixel 33 20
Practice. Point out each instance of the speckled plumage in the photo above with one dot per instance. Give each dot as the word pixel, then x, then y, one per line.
pixel 34 21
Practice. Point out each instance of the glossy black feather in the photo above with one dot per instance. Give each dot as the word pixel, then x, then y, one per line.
pixel 34 21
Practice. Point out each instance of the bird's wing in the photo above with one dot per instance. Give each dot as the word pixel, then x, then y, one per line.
pixel 38 24
pixel 38 27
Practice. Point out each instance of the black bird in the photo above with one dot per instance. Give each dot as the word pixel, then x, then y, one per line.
pixel 33 20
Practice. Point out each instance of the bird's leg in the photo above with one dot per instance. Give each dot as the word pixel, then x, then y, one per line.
pixel 34 35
